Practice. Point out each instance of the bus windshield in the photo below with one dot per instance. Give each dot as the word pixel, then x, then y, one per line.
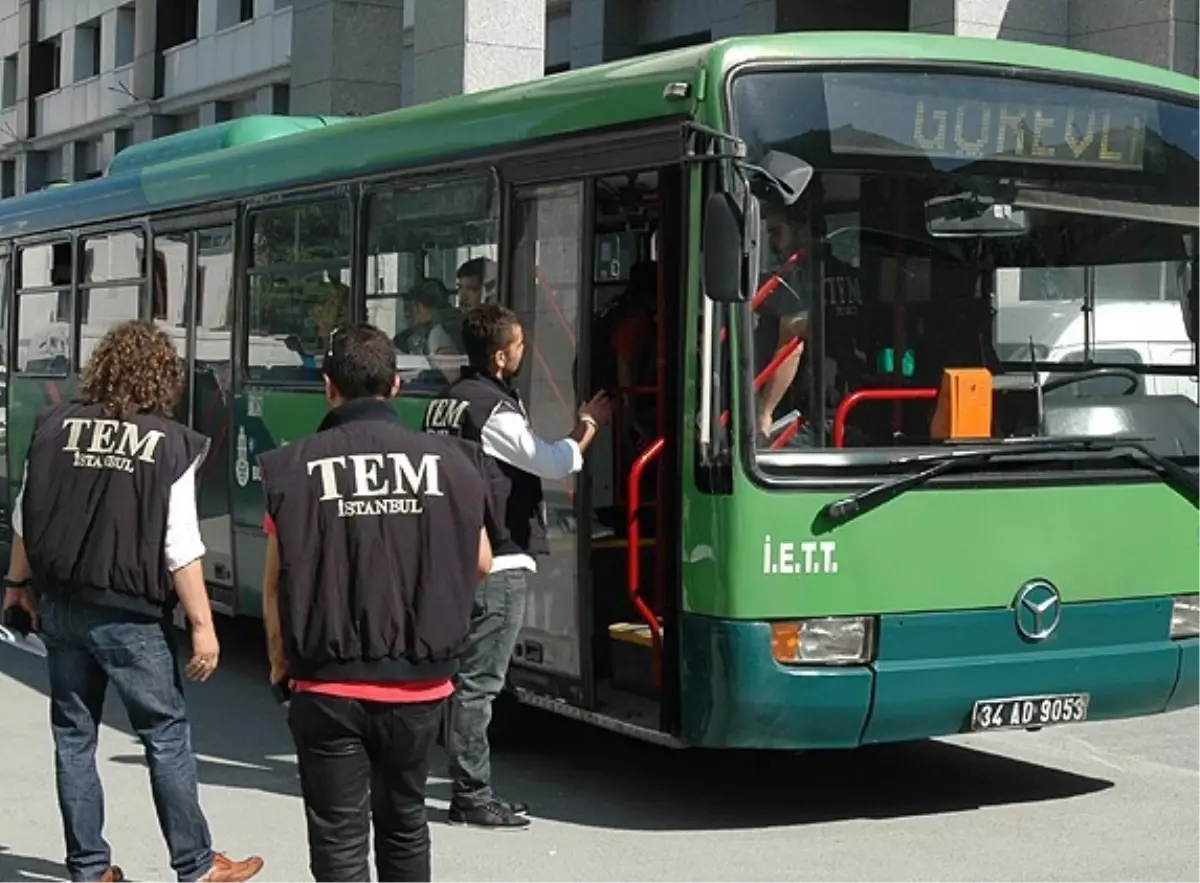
pixel 1044 232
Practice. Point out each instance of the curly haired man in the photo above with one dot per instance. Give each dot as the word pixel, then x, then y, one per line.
pixel 106 542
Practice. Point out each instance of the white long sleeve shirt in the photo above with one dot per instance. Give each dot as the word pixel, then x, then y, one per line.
pixel 509 438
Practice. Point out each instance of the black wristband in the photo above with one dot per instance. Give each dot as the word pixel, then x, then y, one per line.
pixel 14 584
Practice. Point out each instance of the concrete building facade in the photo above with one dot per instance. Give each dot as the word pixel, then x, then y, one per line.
pixel 81 79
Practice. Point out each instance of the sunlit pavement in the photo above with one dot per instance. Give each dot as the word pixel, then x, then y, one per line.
pixel 1113 801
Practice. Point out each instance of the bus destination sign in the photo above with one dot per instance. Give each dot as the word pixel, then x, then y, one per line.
pixel 1004 122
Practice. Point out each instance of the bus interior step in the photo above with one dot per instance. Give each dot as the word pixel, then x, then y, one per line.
pixel 632 657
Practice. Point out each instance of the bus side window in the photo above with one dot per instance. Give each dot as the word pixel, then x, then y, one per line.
pixel 299 287
pixel 43 310
pixel 112 272
pixel 431 256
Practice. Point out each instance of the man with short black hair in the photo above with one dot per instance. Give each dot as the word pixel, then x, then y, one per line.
pixel 476 282
pixel 376 541
pixel 483 406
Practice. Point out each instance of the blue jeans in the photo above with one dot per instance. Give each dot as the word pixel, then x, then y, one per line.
pixel 88 647
pixel 496 619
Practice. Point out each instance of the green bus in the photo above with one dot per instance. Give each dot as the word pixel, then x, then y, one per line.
pixel 954 493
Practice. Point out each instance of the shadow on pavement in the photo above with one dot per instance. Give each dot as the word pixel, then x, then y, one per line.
pixel 239 734
pixel 14 866
pixel 574 773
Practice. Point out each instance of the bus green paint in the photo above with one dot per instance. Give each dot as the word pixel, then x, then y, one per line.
pixel 938 567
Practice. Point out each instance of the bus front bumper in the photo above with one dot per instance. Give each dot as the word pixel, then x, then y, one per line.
pixel 929 671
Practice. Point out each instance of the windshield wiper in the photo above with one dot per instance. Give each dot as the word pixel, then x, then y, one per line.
pixel 841 511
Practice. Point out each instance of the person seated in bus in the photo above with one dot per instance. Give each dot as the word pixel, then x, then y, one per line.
pixel 784 315
pixel 476 283
pixel 427 303
pixel 296 345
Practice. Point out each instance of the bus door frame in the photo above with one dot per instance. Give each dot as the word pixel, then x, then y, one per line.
pixel 223 595
pixel 581 160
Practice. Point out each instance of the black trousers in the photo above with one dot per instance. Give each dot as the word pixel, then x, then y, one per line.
pixel 363 763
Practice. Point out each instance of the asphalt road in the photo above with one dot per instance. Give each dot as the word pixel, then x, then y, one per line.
pixel 1110 801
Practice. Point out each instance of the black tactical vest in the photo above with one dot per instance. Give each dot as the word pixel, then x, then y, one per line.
pixel 96 499
pixel 462 410
pixel 378 530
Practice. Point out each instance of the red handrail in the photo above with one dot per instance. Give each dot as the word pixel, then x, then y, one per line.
pixel 764 290
pixel 633 495
pixel 773 282
pixel 784 353
pixel 786 436
pixel 899 394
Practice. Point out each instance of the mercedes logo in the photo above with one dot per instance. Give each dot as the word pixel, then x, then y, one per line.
pixel 1038 609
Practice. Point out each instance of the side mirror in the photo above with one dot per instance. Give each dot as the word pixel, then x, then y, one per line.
pixel 721 261
pixel 787 177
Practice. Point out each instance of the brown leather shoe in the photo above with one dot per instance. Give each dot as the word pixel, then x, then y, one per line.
pixel 225 870
pixel 112 875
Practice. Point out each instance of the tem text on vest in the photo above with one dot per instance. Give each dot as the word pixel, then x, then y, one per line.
pixel 109 444
pixel 377 484
pixel 445 416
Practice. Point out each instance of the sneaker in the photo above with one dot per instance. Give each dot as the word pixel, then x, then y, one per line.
pixel 226 870
pixel 112 874
pixel 516 806
pixel 493 814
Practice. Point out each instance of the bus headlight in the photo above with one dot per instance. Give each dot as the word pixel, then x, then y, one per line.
pixel 1185 616
pixel 827 640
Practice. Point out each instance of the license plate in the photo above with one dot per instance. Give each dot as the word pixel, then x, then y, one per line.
pixel 1030 711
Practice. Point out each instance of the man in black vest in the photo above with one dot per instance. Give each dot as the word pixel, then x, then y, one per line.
pixel 376 540
pixel 484 407
pixel 107 482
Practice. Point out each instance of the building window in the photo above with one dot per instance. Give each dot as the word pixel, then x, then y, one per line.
pixel 8 178
pixel 231 13
pixel 45 67
pixel 8 82
pixel 87 50
pixel 87 160
pixel 126 27
pixel 178 22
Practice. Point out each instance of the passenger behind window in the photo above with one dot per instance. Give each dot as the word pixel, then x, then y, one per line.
pixel 784 315
pixel 426 305
pixel 476 283
pixel 625 351
pixel 431 320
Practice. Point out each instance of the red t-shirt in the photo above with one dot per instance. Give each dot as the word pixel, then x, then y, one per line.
pixel 371 691
pixel 632 333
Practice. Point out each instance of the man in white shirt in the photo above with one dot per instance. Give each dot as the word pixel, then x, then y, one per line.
pixel 483 406
pixel 107 481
